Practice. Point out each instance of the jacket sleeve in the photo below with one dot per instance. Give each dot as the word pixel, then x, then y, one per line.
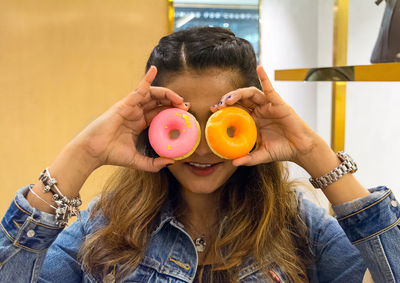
pixel 333 258
pixel 26 235
pixel 372 224
pixel 60 263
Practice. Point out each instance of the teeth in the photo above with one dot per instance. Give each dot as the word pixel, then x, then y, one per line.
pixel 198 165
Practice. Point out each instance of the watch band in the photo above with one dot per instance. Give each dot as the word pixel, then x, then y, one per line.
pixel 347 166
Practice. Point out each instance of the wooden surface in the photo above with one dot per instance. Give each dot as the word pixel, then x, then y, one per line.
pixel 62 63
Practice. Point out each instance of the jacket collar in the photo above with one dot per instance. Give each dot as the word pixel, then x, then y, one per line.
pixel 166 216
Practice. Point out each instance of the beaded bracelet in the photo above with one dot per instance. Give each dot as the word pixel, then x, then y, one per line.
pixel 66 208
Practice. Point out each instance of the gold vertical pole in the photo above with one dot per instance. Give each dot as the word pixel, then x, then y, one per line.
pixel 171 15
pixel 340 27
pixel 340 22
pixel 338 116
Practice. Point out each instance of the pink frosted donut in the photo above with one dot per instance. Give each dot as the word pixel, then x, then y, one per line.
pixel 174 133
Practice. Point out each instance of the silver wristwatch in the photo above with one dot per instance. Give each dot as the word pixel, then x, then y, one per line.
pixel 347 166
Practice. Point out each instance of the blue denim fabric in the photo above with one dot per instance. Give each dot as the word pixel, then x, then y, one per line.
pixel 373 225
pixel 32 249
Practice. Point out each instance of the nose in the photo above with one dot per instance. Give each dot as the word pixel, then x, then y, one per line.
pixel 203 149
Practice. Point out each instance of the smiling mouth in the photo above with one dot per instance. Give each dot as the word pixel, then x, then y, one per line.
pixel 202 169
pixel 201 165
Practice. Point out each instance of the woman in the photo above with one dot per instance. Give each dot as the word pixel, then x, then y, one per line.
pixel 201 219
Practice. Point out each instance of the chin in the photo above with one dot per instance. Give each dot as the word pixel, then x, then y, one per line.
pixel 201 188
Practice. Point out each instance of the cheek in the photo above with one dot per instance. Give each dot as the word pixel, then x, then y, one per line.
pixel 230 170
pixel 173 169
pixel 179 172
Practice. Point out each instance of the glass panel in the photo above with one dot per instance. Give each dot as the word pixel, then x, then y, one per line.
pixel 242 17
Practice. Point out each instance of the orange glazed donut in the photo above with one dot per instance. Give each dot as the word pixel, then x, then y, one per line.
pixel 231 132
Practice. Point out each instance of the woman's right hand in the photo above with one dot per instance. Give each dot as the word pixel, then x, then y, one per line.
pixel 112 137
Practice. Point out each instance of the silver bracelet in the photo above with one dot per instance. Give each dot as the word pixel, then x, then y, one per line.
pixel 66 208
pixel 347 166
pixel 39 197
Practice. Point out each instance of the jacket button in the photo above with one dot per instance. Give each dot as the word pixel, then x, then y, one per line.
pixel 394 203
pixel 30 233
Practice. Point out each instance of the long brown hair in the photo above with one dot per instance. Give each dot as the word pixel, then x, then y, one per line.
pixel 258 211
pixel 258 216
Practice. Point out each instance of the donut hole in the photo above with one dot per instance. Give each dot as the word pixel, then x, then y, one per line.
pixel 230 131
pixel 174 134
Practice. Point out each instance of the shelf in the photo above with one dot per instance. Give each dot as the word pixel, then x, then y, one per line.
pixel 384 72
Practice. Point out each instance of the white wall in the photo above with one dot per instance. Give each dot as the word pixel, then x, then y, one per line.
pixel 289 40
pixel 372 118
pixel 298 34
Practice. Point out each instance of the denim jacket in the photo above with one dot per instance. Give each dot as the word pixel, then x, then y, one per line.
pixel 33 249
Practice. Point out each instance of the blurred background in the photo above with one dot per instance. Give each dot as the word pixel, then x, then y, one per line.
pixel 64 63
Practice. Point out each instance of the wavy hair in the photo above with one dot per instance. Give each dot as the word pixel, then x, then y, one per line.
pixel 258 211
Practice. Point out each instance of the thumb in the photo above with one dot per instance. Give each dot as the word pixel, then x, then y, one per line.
pixel 151 164
pixel 161 162
pixel 253 158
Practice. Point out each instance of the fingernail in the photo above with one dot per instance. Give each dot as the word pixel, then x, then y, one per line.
pixel 229 96
pixel 187 105
pixel 220 103
pixel 215 105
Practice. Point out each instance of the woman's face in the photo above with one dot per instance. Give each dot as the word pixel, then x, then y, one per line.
pixel 203 172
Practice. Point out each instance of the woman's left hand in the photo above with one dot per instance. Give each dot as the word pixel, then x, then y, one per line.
pixel 282 134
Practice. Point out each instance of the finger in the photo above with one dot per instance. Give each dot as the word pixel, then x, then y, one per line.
pixel 161 105
pixel 253 158
pixel 152 104
pixel 245 104
pixel 267 88
pixel 140 95
pixel 252 94
pixel 162 93
pixel 145 84
pixel 151 164
pixel 214 108
pixel 149 115
pixel 248 97
pixel 156 96
pixel 160 162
